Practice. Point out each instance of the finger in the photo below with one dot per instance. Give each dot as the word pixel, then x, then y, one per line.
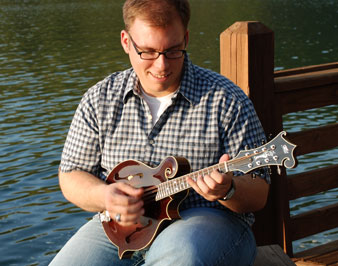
pixel 123 194
pixel 129 213
pixel 210 183
pixel 131 209
pixel 211 189
pixel 194 185
pixel 201 187
pixel 206 184
pixel 224 158
pixel 128 218
pixel 132 212
pixel 214 179
pixel 129 190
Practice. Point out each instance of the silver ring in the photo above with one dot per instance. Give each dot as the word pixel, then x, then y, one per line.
pixel 118 217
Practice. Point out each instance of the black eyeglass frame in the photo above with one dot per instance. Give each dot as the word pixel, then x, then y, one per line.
pixel 156 53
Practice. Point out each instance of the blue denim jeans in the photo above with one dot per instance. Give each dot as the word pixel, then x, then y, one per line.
pixel 203 236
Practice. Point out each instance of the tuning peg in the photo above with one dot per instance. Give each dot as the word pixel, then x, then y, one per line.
pixel 246 147
pixel 279 170
pixel 263 141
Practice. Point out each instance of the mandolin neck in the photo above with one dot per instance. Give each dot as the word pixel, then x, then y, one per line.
pixel 179 184
pixel 277 152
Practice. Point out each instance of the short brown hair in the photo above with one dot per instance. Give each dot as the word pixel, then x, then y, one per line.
pixel 157 12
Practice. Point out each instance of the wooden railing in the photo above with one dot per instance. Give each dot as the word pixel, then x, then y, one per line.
pixel 247 58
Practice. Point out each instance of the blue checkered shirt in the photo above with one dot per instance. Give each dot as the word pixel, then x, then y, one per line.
pixel 209 116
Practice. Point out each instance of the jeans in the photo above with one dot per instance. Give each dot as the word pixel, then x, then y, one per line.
pixel 204 236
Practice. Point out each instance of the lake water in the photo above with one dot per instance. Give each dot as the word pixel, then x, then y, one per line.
pixel 52 51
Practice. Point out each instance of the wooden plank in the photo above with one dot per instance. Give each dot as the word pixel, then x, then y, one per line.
pixel 306 80
pixel 249 64
pixel 327 259
pixel 306 69
pixel 272 255
pixel 313 222
pixel 319 250
pixel 308 263
pixel 316 139
pixel 301 90
pixel 242 45
pixel 307 183
pixel 326 254
pixel 226 60
pixel 307 98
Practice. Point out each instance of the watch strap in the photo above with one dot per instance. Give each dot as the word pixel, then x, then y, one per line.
pixel 230 192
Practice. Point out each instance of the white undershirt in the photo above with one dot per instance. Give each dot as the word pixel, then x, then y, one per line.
pixel 157 105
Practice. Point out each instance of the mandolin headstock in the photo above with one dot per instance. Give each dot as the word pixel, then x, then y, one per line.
pixel 278 151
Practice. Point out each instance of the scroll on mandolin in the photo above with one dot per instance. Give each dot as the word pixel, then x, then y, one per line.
pixel 166 186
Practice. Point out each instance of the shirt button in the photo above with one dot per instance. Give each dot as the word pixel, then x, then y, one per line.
pixel 149 117
pixel 151 141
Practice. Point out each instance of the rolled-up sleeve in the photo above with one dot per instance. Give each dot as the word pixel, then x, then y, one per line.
pixel 82 150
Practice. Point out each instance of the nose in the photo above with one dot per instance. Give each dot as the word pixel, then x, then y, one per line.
pixel 161 62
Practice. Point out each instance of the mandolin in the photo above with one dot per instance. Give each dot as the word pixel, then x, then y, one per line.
pixel 166 186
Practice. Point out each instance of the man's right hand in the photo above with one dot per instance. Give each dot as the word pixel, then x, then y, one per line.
pixel 124 200
pixel 94 195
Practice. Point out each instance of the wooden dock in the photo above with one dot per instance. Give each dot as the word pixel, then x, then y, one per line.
pixel 272 255
pixel 247 58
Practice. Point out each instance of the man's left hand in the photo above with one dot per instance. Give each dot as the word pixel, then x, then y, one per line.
pixel 214 186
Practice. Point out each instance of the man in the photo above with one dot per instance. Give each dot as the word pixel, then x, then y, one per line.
pixel 164 105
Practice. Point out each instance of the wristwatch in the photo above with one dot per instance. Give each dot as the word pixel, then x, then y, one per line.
pixel 230 192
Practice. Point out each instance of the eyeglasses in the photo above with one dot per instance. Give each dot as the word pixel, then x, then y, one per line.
pixel 152 55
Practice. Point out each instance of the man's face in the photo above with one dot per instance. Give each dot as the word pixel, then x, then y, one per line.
pixel 160 76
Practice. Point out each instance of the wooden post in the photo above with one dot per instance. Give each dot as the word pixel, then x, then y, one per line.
pixel 247 58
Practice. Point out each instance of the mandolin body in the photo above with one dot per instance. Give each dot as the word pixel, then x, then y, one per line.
pixel 158 214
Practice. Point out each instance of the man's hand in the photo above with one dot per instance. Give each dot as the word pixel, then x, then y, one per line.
pixel 125 201
pixel 214 186
pixel 92 194
pixel 250 195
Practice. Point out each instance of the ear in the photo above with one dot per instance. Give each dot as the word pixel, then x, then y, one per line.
pixel 125 41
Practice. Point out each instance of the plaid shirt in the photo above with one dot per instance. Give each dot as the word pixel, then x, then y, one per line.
pixel 209 116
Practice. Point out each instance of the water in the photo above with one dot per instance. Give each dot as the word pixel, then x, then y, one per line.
pixel 51 51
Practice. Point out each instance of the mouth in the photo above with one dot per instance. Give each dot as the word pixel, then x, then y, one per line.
pixel 160 76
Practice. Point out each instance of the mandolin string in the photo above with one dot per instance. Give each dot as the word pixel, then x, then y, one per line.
pixel 151 188
pixel 202 172
pixel 223 165
pixel 149 194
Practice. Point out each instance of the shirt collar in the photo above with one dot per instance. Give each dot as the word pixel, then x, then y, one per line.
pixel 132 85
pixel 189 88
